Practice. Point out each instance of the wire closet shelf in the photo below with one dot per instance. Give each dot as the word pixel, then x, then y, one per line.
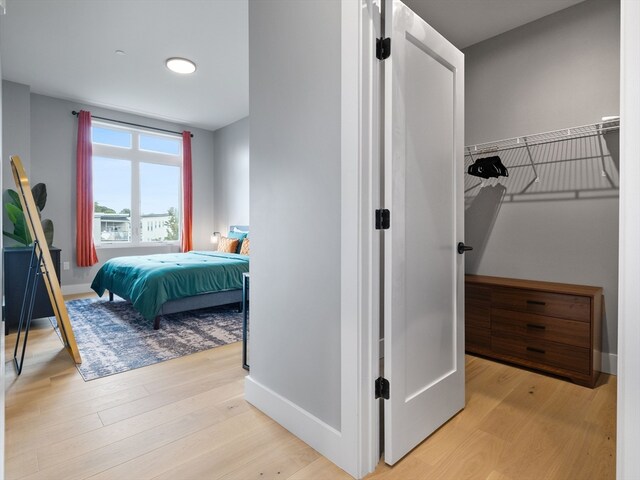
pixel 570 162
pixel 542 138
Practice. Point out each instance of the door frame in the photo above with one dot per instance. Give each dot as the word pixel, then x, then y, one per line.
pixel 358 451
pixel 628 420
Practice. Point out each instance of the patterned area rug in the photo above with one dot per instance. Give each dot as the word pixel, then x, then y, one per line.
pixel 113 338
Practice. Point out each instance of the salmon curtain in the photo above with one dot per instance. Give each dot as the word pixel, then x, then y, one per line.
pixel 186 243
pixel 85 249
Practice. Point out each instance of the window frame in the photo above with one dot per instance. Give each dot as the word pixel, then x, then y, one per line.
pixel 135 155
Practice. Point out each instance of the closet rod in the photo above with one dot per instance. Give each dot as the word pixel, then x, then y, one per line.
pixel 131 124
pixel 543 138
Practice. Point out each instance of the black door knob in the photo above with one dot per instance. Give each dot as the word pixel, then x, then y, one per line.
pixel 463 248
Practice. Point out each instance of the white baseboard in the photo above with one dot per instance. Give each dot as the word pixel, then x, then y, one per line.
pixel 76 289
pixel 610 363
pixel 310 429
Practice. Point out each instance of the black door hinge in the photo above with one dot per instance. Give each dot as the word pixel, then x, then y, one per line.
pixel 383 219
pixel 382 388
pixel 383 48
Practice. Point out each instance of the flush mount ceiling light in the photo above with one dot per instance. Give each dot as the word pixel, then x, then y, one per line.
pixel 180 65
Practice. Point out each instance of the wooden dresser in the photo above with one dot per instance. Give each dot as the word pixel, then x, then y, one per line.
pixel 553 327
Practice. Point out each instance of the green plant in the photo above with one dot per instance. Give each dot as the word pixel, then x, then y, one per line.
pixel 173 227
pixel 16 216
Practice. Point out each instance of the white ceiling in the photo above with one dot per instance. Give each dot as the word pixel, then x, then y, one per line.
pixel 465 22
pixel 66 49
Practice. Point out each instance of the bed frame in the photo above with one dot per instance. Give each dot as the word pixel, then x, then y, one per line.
pixel 186 304
pixel 196 302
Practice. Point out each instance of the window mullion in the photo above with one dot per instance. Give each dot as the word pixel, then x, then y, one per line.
pixel 135 197
pixel 158 227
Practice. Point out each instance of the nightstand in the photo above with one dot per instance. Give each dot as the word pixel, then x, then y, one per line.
pixel 245 317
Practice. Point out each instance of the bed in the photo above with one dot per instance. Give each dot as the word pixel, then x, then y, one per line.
pixel 161 284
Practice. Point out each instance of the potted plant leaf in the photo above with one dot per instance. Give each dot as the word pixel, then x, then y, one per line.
pixel 18 256
pixel 16 216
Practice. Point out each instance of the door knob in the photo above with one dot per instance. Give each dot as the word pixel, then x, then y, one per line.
pixel 463 248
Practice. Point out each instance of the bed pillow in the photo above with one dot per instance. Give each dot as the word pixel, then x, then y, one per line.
pixel 244 250
pixel 228 245
pixel 240 236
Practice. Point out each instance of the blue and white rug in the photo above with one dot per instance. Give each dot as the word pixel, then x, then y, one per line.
pixel 113 337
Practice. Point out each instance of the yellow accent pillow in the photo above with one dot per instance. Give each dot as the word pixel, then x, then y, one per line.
pixel 228 245
pixel 244 250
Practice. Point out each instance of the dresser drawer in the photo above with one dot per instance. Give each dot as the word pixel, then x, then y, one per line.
pixel 477 295
pixel 477 338
pixel 541 327
pixel 572 307
pixel 477 306
pixel 548 326
pixel 475 316
pixel 541 352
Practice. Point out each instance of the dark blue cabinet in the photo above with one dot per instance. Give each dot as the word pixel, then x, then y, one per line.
pixel 16 268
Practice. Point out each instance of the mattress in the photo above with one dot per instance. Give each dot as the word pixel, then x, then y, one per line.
pixel 149 281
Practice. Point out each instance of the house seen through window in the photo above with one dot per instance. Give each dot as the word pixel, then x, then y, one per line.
pixel 136 186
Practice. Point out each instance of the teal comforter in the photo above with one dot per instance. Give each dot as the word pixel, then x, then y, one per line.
pixel 151 280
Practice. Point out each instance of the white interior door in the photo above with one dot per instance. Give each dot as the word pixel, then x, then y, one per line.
pixel 424 274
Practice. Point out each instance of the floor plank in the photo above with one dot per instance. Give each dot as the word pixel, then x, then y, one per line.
pixel 186 419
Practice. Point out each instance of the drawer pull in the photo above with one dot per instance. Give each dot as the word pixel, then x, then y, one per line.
pixel 537 350
pixel 536 302
pixel 538 327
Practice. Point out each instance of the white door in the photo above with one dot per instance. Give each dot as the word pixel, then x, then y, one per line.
pixel 424 274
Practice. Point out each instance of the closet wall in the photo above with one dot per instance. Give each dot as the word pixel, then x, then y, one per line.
pixel 295 208
pixel 560 71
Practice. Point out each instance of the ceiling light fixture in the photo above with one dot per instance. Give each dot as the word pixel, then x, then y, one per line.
pixel 120 52
pixel 180 65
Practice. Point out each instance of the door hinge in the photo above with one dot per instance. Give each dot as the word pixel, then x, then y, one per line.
pixel 383 48
pixel 382 388
pixel 383 219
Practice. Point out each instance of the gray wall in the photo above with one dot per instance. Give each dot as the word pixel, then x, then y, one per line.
pixel 231 175
pixel 295 202
pixel 560 71
pixel 51 134
pixel 16 105
pixel 2 355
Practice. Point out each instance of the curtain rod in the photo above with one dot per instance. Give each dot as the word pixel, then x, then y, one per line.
pixel 130 123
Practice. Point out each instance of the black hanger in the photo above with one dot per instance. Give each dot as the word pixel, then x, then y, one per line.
pixel 488 167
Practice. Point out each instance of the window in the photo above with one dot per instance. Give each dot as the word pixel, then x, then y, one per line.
pixel 137 189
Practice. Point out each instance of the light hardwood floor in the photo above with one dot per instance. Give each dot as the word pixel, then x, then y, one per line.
pixel 186 419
